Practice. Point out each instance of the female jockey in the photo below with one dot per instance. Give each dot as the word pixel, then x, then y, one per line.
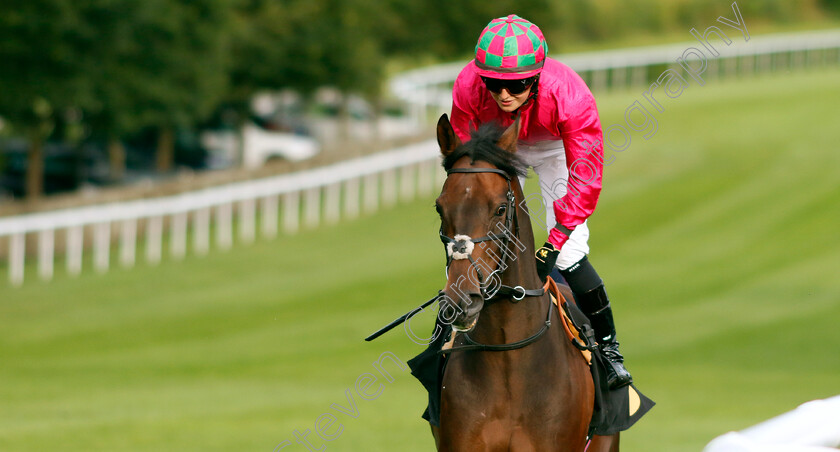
pixel 511 77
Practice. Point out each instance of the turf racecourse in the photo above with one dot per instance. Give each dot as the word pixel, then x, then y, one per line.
pixel 717 239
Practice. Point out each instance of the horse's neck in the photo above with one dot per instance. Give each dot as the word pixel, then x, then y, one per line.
pixel 503 320
pixel 521 267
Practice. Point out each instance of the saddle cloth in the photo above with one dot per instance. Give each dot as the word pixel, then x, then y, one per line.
pixel 614 411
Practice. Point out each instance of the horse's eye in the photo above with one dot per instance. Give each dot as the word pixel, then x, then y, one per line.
pixel 501 210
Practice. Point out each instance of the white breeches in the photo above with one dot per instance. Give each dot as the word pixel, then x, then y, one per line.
pixel 548 158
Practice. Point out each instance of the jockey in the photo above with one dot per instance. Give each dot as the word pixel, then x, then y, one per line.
pixel 561 139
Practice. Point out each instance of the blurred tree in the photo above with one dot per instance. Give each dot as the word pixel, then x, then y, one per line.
pixel 40 73
pixel 275 45
pixel 304 45
pixel 114 59
pixel 353 60
pixel 127 64
pixel 447 29
pixel 259 51
pixel 174 68
pixel 134 64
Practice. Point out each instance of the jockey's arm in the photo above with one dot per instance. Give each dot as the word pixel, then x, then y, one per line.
pixel 462 118
pixel 580 129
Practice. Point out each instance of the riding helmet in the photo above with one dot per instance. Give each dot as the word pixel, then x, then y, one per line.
pixel 510 48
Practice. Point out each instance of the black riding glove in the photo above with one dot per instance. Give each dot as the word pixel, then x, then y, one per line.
pixel 546 258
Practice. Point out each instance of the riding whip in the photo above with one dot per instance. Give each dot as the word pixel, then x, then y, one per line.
pixel 403 318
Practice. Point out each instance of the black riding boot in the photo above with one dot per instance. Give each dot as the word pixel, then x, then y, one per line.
pixel 596 306
pixel 592 299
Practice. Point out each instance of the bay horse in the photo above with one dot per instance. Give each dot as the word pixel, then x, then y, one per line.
pixel 511 382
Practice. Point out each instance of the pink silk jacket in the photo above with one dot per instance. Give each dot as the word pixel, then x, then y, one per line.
pixel 563 109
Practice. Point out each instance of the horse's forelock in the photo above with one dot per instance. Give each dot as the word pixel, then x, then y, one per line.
pixel 482 147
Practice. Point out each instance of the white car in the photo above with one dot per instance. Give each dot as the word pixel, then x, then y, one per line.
pixel 258 146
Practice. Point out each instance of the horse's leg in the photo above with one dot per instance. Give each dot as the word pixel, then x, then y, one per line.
pixel 436 435
pixel 604 443
pixel 615 441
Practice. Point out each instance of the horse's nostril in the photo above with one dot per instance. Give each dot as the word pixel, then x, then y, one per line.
pixel 476 302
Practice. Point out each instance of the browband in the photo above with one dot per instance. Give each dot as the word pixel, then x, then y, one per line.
pixel 479 170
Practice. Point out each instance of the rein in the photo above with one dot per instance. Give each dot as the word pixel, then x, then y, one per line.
pixel 473 345
pixel 461 247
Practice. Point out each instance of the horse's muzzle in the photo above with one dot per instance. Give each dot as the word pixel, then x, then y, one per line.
pixel 468 309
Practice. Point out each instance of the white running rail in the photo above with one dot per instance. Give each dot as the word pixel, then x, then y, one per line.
pixel 428 90
pixel 345 189
pixel 307 198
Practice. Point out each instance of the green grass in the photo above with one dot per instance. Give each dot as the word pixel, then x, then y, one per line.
pixel 716 238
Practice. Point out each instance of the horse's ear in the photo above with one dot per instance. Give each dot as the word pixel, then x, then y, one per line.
pixel 510 137
pixel 447 140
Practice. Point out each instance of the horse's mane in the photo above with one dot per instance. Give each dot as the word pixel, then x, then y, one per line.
pixel 482 147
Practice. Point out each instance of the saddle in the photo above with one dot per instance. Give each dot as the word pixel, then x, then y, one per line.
pixel 569 325
pixel 615 410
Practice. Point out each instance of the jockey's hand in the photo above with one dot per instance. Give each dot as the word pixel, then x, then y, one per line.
pixel 546 258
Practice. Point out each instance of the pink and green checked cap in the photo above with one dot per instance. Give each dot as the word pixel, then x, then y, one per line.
pixel 510 48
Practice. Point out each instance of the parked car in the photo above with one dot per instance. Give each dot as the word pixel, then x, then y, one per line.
pixel 66 168
pixel 141 150
pixel 258 146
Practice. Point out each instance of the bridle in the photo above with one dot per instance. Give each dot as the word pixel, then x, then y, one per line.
pixel 461 247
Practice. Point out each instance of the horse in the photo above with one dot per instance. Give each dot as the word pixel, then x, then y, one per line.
pixel 511 383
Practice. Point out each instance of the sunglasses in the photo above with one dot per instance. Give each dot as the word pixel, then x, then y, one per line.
pixel 513 86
